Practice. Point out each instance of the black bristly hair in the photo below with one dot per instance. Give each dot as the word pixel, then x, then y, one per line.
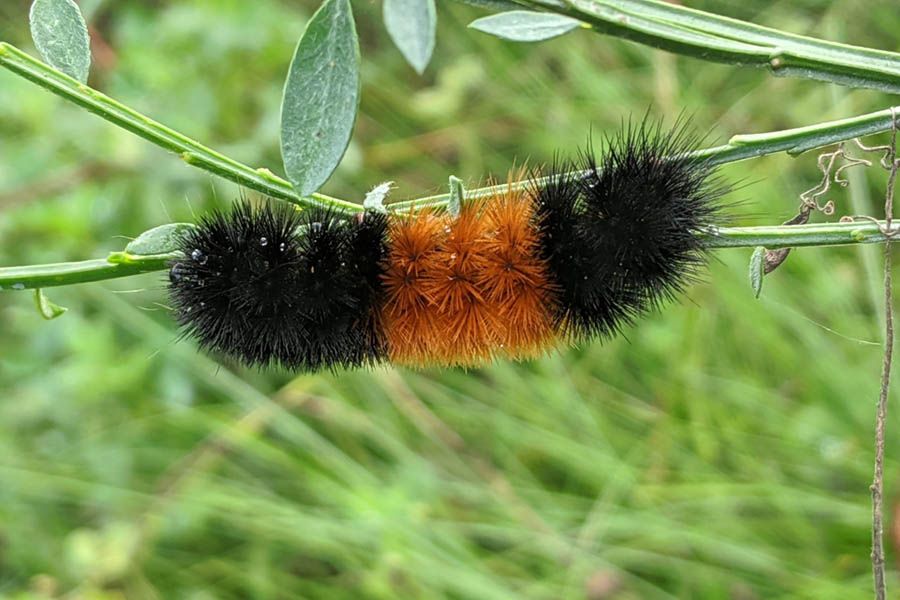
pixel 647 198
pixel 237 282
pixel 367 249
pixel 273 285
pixel 339 288
pixel 621 237
pixel 586 304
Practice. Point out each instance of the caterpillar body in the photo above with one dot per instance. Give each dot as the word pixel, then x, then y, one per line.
pixel 563 260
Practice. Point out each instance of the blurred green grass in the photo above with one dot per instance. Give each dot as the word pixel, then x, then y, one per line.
pixel 721 449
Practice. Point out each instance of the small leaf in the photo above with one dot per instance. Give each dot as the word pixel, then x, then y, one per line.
pixel 374 200
pixel 457 196
pixel 48 309
pixel 757 269
pixel 525 26
pixel 411 25
pixel 159 240
pixel 321 97
pixel 61 36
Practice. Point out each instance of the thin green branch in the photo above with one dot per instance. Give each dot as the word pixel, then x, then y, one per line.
pixel 86 271
pixel 739 147
pixel 124 265
pixel 191 151
pixel 797 236
pixel 714 38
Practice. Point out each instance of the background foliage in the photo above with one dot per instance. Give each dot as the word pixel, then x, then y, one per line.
pixel 722 450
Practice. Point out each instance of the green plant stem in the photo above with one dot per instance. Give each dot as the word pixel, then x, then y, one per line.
pixel 711 37
pixel 797 236
pixel 739 147
pixel 191 151
pixel 58 274
pixel 124 265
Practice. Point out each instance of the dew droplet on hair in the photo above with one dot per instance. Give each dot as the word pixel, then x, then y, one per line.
pixel 198 256
pixel 263 241
pixel 177 273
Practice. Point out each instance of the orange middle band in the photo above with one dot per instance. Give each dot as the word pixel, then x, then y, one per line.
pixel 463 291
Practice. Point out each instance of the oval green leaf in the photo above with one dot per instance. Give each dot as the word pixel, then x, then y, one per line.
pixel 321 97
pixel 159 240
pixel 61 36
pixel 757 269
pixel 525 26
pixel 411 24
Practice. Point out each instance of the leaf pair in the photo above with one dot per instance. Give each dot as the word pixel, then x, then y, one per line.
pixel 322 90
pixel 321 94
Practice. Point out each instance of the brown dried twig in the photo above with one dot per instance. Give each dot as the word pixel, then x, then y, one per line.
pixel 826 162
pixel 889 161
pixel 809 200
